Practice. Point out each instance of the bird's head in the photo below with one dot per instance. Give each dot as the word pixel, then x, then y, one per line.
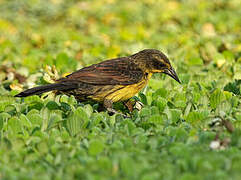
pixel 157 62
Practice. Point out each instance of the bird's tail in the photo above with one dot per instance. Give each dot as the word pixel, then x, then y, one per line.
pixel 46 88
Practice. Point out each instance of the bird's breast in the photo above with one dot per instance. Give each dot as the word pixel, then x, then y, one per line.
pixel 122 92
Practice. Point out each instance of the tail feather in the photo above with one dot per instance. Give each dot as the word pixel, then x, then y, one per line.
pixel 45 88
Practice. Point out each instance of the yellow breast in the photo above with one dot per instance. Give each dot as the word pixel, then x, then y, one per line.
pixel 127 92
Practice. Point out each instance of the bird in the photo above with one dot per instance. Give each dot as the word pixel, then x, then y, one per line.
pixel 110 81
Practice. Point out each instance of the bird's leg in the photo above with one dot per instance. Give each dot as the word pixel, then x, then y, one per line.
pixel 131 104
pixel 108 104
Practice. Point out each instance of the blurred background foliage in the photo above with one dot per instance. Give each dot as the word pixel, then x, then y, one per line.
pixel 184 131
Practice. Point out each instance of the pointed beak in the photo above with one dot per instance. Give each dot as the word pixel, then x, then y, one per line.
pixel 171 72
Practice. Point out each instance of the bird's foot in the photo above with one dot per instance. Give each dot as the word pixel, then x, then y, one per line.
pixel 111 111
pixel 131 105
pixel 108 104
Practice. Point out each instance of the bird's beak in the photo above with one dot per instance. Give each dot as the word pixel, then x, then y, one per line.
pixel 171 72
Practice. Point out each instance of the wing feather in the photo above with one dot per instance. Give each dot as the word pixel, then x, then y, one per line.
pixel 120 71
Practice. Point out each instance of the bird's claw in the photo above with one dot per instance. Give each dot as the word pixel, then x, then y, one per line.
pixel 112 111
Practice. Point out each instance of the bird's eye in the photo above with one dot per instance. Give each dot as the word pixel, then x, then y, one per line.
pixel 158 64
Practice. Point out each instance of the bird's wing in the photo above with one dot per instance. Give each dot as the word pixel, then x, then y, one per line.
pixel 120 71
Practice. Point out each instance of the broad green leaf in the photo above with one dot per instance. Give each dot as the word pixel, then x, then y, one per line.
pixel 25 121
pixel 216 98
pixel 143 98
pixel 96 147
pixel 52 105
pixel 162 92
pixel 156 119
pixel 196 116
pixel 160 103
pixel 34 117
pixel 195 61
pixel 145 112
pixel 175 115
pixel 15 124
pixel 5 101
pixel 77 121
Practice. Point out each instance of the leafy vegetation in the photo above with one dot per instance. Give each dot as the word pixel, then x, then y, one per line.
pixel 187 131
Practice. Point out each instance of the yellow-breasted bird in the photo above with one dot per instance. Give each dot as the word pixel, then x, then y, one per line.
pixel 112 80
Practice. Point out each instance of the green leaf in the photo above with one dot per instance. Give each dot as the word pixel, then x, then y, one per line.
pixel 127 165
pixel 234 87
pixel 88 109
pixel 25 121
pixel 52 105
pixel 15 125
pixel 96 147
pixel 216 98
pixel 77 121
pixel 1 122
pixel 96 119
pixel 156 119
pixel 143 98
pixel 34 117
pixel 228 55
pixel 160 103
pixel 145 112
pixel 195 61
pixel 195 116
pixel 175 115
pixel 5 101
pixel 162 92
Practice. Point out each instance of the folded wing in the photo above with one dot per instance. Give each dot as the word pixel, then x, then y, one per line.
pixel 120 71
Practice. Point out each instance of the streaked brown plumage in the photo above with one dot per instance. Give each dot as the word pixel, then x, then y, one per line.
pixel 111 80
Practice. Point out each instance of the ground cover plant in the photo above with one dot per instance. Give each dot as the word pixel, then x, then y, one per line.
pixel 187 131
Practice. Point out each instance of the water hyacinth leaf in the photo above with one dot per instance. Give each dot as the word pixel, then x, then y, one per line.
pixel 34 117
pixel 234 87
pixel 175 115
pixel 25 121
pixel 53 119
pixel 73 125
pixel 154 110
pixel 162 92
pixel 5 101
pixel 156 119
pixel 15 124
pixel 31 99
pixel 195 61
pixel 52 105
pixel 10 109
pixel 184 78
pixel 1 122
pixel 145 112
pixel 216 98
pixel 96 147
pixel 196 116
pixel 228 55
pixel 65 107
pixel 96 119
pixel 77 121
pixel 143 98
pixel 127 165
pixel 160 103
pixel 88 109
pixel 83 116
pixel 72 100
pixel 64 98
